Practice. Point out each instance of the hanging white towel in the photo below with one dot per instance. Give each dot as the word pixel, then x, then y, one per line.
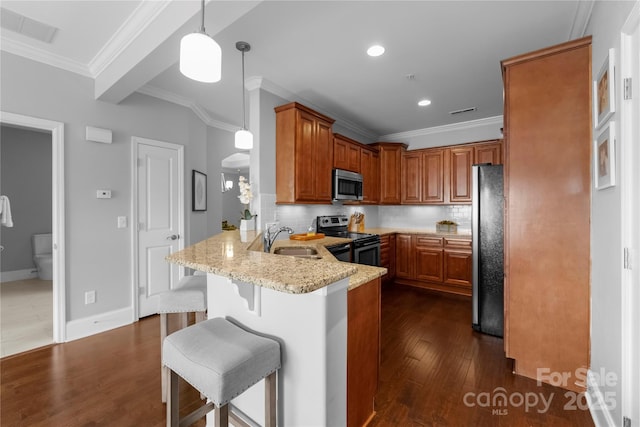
pixel 5 212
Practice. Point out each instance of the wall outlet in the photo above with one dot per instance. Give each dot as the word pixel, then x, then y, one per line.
pixel 103 194
pixel 270 225
pixel 90 297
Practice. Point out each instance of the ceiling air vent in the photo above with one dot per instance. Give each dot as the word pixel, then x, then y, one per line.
pixel 464 110
pixel 26 26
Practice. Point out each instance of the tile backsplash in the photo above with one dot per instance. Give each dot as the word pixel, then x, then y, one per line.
pixel 424 217
pixel 299 217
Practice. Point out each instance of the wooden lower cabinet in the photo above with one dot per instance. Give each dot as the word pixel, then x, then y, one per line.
pixel 388 256
pixel 457 268
pixel 441 264
pixel 405 263
pixel 428 258
pixel 363 352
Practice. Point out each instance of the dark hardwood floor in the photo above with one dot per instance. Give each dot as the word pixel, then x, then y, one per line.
pixel 436 371
pixel 431 360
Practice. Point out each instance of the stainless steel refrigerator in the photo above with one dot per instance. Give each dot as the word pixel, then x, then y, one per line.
pixel 487 227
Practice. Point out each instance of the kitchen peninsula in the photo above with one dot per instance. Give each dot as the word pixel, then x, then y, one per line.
pixel 308 306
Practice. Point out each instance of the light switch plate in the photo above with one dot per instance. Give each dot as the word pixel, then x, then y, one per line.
pixel 122 222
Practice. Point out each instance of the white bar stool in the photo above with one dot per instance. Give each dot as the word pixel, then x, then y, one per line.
pixel 190 296
pixel 221 361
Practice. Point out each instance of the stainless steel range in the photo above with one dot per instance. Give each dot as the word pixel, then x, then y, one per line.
pixel 365 247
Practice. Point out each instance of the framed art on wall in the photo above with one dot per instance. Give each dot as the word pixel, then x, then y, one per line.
pixel 604 155
pixel 198 191
pixel 604 96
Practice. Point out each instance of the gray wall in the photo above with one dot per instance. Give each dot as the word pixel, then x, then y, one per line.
pixel 25 177
pixel 606 209
pixel 98 255
pixel 220 144
pixel 231 206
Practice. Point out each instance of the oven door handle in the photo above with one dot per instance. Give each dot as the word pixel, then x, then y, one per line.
pixel 345 247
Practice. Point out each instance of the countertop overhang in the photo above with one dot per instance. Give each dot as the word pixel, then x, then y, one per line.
pixel 239 257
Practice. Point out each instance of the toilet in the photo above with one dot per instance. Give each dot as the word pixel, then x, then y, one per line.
pixel 42 256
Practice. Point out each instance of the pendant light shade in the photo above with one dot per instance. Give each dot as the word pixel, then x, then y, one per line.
pixel 200 55
pixel 200 58
pixel 244 138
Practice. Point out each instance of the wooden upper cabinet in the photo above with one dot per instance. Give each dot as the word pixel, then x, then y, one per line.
pixel 304 155
pixel 423 176
pixel 370 170
pixel 346 153
pixel 488 152
pixel 461 159
pixel 442 175
pixel 390 171
pixel 433 175
pixel 412 177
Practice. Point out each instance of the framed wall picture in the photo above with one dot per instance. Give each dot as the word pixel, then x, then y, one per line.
pixel 198 191
pixel 604 155
pixel 604 94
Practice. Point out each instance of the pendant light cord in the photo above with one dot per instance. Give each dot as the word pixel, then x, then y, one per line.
pixel 244 125
pixel 202 18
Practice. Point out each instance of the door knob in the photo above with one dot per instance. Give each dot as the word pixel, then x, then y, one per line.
pixel 173 237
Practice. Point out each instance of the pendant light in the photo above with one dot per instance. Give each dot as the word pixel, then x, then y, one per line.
pixel 244 138
pixel 201 56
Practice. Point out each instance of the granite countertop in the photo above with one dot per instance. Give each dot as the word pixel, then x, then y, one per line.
pixel 240 257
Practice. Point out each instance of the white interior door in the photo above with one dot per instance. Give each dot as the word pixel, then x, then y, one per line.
pixel 160 202
pixel 630 214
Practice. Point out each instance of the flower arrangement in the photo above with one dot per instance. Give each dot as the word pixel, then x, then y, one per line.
pixel 245 196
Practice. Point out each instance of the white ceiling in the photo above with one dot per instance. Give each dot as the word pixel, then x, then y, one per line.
pixel 310 51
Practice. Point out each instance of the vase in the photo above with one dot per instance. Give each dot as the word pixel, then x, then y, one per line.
pixel 247 224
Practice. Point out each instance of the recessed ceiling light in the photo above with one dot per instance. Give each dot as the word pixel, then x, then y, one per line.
pixel 375 50
pixel 424 102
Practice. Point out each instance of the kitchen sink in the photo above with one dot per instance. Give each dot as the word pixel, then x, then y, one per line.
pixel 297 251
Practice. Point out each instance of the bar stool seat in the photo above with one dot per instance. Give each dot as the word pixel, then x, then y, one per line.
pixel 220 360
pixel 190 296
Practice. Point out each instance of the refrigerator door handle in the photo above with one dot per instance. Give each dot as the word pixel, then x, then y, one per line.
pixel 475 237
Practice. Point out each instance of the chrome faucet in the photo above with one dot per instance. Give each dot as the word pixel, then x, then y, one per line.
pixel 269 237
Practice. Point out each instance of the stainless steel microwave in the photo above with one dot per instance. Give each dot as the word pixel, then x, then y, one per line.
pixel 347 185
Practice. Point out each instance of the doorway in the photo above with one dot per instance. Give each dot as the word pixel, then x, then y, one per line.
pixel 158 218
pixel 630 127
pixel 232 168
pixel 56 130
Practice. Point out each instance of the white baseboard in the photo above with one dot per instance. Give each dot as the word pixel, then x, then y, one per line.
pixel 597 403
pixel 92 325
pixel 10 276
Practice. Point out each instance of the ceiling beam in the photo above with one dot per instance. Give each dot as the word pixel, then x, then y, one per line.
pixel 155 45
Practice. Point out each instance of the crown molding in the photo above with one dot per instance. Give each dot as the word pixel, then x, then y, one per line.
pixel 258 82
pixel 581 19
pixel 143 16
pixel 496 120
pixel 40 55
pixel 199 111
